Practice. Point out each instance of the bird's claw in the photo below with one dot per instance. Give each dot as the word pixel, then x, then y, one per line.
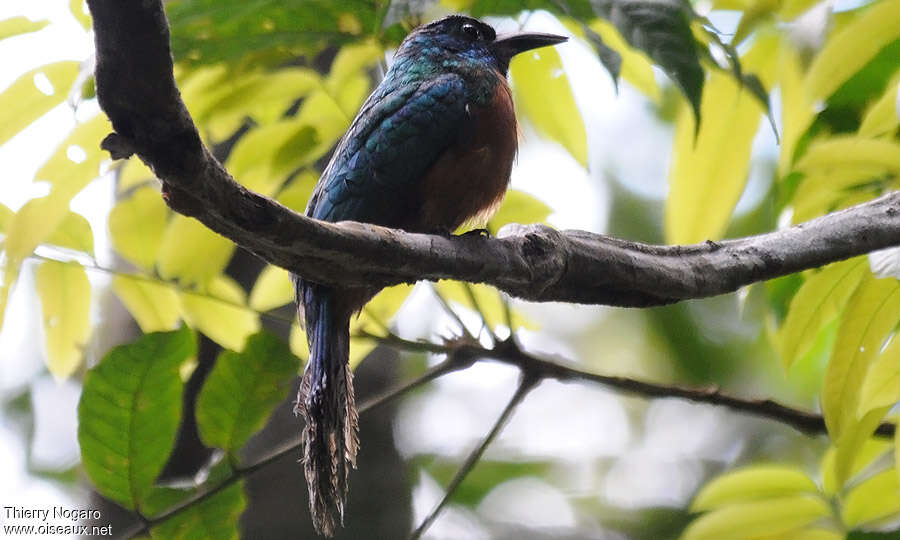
pixel 478 232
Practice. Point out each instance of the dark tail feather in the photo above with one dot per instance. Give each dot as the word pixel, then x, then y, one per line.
pixel 327 405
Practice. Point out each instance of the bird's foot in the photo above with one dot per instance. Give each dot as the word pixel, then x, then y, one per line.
pixel 478 232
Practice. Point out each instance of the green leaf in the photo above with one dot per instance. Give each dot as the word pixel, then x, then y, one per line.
pixel 74 233
pixel 243 390
pixel 129 413
pixel 710 166
pixel 610 58
pixel 819 300
pixel 65 306
pixel 752 483
pixel 881 387
pixel 268 32
pixel 219 311
pixel 15 26
pixel 662 29
pixel 192 253
pixel 273 288
pixel 153 305
pixel 545 97
pixel 883 116
pixel 23 103
pixel 519 207
pixel 871 315
pixel 851 47
pixel 758 518
pixel 214 517
pixel 137 225
pixel 873 500
pixel 637 69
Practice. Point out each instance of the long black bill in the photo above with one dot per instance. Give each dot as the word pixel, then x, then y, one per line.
pixel 505 47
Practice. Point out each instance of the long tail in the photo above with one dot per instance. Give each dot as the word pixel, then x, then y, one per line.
pixel 327 405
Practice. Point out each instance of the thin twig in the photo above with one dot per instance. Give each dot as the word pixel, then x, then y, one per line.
pixel 470 294
pixel 526 384
pixel 451 312
pixel 174 285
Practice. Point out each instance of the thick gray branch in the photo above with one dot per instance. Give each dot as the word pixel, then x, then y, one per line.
pixel 137 91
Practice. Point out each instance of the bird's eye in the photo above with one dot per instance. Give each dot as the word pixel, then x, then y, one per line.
pixel 471 30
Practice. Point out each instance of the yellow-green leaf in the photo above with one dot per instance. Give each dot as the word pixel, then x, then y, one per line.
pixel 298 344
pixel 851 48
pixel 883 116
pixel 545 97
pixel 77 160
pixel 76 7
pixel 264 157
pixel 870 450
pixel 871 315
pixel 65 306
pixel 22 103
pixel 15 26
pixel 153 305
pixel 264 97
pixel 709 170
pixel 881 387
pixel 73 233
pixel 873 500
pixel 519 207
pixel 192 253
pixel 6 216
pixel 825 189
pixel 758 518
pixel 797 111
pixel 220 312
pixel 488 301
pixel 350 61
pixel 273 288
pixel 851 151
pixel 296 195
pixel 852 442
pixel 132 173
pixel 33 224
pixel 386 303
pixel 752 483
pixel 819 300
pixel 137 225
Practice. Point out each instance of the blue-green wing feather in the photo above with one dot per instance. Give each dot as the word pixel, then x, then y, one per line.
pixel 400 132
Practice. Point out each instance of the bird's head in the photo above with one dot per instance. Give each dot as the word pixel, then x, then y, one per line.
pixel 458 37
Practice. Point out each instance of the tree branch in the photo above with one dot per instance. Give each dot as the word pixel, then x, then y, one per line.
pixel 508 352
pixel 137 90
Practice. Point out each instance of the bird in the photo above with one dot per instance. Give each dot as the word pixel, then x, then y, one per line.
pixel 430 149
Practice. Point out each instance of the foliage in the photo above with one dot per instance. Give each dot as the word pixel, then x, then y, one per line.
pixel 251 75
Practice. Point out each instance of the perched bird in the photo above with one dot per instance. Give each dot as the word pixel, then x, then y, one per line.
pixel 430 149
